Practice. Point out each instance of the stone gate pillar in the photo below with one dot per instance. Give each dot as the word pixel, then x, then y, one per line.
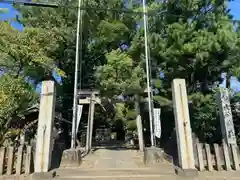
pixel 183 128
pixel 139 123
pixel 44 144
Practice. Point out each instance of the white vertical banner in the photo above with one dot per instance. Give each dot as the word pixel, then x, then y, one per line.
pixel 79 115
pixel 157 122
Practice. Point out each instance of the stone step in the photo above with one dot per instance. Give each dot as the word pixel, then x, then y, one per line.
pixel 116 169
pixel 123 177
pixel 166 166
pixel 116 172
pixel 139 160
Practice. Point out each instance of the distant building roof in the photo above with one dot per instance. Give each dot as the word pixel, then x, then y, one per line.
pixel 35 108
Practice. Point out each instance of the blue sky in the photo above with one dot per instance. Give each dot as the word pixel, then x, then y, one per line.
pixel 10 14
pixel 234 7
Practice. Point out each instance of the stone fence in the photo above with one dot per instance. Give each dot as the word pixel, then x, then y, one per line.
pixel 16 160
pixel 216 157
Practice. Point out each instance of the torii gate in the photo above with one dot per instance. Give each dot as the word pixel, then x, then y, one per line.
pixel 91 97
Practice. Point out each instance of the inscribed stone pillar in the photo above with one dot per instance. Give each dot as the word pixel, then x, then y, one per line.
pixel 139 123
pixel 182 123
pixel 226 119
pixel 45 125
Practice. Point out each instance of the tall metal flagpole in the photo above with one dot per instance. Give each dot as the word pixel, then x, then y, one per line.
pixel 74 118
pixel 149 88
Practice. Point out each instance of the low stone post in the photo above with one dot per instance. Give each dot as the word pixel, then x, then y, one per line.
pixel 19 160
pixel 28 160
pixel 209 157
pixel 2 157
pixel 218 157
pixel 10 160
pixel 199 147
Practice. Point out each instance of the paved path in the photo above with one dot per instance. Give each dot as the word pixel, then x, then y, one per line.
pixel 112 158
pixel 108 163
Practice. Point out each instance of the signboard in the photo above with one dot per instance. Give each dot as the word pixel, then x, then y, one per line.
pixel 33 1
pixel 226 119
pixel 157 122
pixel 30 1
pixel 79 115
pixel 44 3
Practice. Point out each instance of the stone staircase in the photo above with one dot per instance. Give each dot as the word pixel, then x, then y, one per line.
pixel 114 174
pixel 119 164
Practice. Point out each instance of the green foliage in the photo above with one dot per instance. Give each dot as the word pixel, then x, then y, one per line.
pixel 132 126
pixel 16 95
pixel 127 115
pixel 102 31
pixel 119 75
pixel 204 117
pixel 196 41
pixel 131 114
pixel 120 108
pixel 27 53
pixel 162 100
pixel 197 55
pixel 110 33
